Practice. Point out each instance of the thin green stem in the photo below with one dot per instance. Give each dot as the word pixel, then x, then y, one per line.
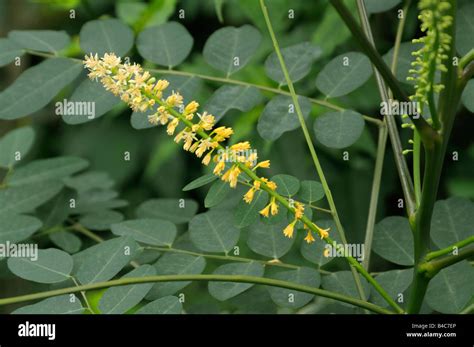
pixel 450 249
pixel 431 268
pixel 417 166
pixel 466 59
pixel 309 142
pixel 213 277
pixel 320 209
pixel 78 227
pixel 274 262
pixel 374 195
pixel 83 294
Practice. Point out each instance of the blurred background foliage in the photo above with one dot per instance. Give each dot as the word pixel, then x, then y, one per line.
pixel 159 169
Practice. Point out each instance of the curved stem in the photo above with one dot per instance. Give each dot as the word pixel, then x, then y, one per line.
pixel 176 278
pixel 448 250
pixel 310 144
pixel 431 268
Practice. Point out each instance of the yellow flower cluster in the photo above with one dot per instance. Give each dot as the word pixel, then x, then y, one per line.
pixel 141 91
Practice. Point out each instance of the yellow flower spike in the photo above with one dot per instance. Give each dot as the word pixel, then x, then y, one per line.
pixel 265 211
pixel 273 207
pixel 288 231
pixel 248 197
pixel 309 237
pixel 220 166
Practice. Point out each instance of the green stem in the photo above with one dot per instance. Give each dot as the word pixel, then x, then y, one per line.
pixel 87 232
pixel 417 166
pixel 374 195
pixel 450 249
pixel 274 262
pixel 84 297
pixel 400 162
pixel 178 278
pixel 466 59
pixel 431 268
pixel 309 142
pixel 426 131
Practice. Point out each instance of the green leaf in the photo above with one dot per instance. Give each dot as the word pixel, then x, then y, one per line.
pixel 229 49
pixel 468 96
pixel 51 266
pixel 27 197
pixel 187 86
pixel 9 50
pixel 314 252
pixel 174 210
pixel 298 60
pixel 16 228
pixel 118 300
pixel 218 192
pixel 343 282
pixel 165 305
pixel 377 6
pixel 66 240
pixel 464 28
pixel 279 116
pixel 247 214
pixel 451 289
pixel 63 304
pixel 16 143
pixel 156 232
pixel 452 221
pixel 311 191
pixel 344 74
pixel 106 36
pixel 37 86
pixel 106 259
pixel 393 240
pixel 40 40
pixel 100 220
pixel 213 231
pixel 286 185
pixel 56 211
pixel 395 282
pixel 225 290
pixel 268 239
pixel 97 200
pixel 227 98
pixel 292 298
pixel 175 264
pixel 88 92
pixel 200 182
pixel 339 129
pixel 46 169
pixel 89 180
pixel 168 44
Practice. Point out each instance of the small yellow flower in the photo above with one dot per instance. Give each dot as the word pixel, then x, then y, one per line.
pixel 299 210
pixel 174 100
pixel 323 232
pixel 191 108
pixel 154 118
pixel 248 197
pixel 263 164
pixel 207 121
pixel 272 185
pixel 241 146
pixel 274 206
pixel 288 231
pixel 309 237
pixel 220 166
pixel 172 126
pixel 222 133
pixel 265 211
pixel 207 159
